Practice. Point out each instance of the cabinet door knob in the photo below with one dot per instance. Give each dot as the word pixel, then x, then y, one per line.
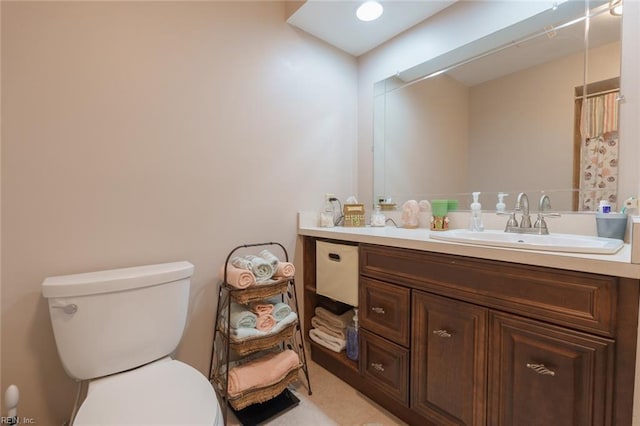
pixel 378 310
pixel 541 369
pixel 377 366
pixel 442 333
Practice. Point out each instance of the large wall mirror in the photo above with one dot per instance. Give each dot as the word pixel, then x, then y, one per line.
pixel 521 116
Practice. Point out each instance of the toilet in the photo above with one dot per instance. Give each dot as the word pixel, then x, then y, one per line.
pixel 117 329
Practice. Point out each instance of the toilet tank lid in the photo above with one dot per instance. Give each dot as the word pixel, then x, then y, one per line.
pixel 113 280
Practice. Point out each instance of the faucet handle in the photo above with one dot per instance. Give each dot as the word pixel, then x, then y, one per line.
pixel 541 225
pixel 512 222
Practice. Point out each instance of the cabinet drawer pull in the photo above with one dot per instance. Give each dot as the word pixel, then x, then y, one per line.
pixel 377 366
pixel 442 333
pixel 378 310
pixel 541 369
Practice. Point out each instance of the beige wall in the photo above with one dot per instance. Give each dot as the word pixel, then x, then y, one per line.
pixel 144 132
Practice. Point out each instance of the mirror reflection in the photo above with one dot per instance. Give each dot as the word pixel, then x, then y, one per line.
pixel 538 115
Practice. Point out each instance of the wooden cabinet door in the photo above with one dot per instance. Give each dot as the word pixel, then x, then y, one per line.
pixel 448 359
pixel 541 374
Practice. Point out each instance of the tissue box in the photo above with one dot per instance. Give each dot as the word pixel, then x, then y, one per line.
pixel 353 215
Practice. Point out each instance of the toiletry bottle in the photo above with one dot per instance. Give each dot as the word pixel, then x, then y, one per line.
pixel 604 207
pixel 352 337
pixel 476 214
pixel 500 206
pixel 377 217
pixel 327 215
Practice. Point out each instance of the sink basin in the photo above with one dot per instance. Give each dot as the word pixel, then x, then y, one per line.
pixel 554 242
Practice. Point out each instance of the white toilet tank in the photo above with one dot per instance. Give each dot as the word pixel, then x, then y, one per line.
pixel 111 321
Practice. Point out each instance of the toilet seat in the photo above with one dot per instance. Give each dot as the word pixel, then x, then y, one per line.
pixel 164 392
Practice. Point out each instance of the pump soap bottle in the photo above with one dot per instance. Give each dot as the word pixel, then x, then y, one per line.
pixel 500 205
pixel 476 214
pixel 352 337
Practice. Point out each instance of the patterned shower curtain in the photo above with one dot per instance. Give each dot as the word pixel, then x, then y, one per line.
pixel 599 151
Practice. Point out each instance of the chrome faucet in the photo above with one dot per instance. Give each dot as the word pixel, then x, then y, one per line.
pixel 541 225
pixel 522 205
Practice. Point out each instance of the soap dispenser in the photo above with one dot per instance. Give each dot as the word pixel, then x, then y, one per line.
pixel 476 214
pixel 352 337
pixel 500 206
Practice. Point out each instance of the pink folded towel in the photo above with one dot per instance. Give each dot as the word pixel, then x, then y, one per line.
pixel 238 278
pixel 285 270
pixel 261 308
pixel 265 322
pixel 262 372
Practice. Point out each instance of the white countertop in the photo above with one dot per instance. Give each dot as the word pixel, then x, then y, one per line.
pixel 618 264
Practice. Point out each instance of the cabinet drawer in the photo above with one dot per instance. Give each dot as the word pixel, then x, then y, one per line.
pixel 384 309
pixel 385 365
pixel 575 299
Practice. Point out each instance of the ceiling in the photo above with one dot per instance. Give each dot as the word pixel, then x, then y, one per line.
pixel 335 21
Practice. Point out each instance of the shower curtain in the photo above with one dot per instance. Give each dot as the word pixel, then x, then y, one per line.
pixel 599 151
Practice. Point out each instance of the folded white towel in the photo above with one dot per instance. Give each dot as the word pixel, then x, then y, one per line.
pixel 262 269
pixel 329 342
pixel 243 333
pixel 241 317
pixel 337 321
pixel 320 324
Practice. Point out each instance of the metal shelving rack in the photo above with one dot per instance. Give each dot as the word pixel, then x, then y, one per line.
pixel 259 404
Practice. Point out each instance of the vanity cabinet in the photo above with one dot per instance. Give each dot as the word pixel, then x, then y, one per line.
pixel 453 340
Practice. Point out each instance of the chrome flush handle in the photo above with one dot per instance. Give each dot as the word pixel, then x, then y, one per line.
pixel 69 309
pixel 378 310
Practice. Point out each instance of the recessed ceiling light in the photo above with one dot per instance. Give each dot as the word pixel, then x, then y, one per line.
pixel 369 11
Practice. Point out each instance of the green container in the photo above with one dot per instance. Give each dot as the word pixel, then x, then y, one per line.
pixel 439 208
pixel 452 205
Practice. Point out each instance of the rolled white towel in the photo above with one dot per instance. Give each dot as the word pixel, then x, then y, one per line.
pixel 262 269
pixel 243 333
pixel 241 263
pixel 241 317
pixel 270 257
pixel 280 309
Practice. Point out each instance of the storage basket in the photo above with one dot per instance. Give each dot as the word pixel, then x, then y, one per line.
pixel 258 343
pixel 259 291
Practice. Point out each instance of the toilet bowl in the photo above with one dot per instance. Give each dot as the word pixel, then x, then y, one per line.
pixel 116 329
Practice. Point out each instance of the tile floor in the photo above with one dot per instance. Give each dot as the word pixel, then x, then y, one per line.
pixel 333 402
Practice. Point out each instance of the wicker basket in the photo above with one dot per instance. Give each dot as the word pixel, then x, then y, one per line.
pixel 258 343
pixel 259 292
pixel 262 394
